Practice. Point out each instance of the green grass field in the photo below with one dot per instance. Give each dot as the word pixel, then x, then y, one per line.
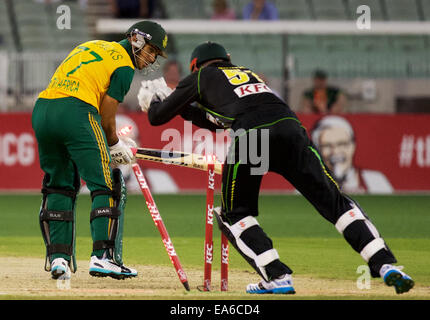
pixel 305 241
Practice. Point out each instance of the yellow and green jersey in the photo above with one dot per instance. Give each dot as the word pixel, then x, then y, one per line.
pixel 90 71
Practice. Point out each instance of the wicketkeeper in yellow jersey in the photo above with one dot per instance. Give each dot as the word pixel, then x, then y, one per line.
pixel 74 123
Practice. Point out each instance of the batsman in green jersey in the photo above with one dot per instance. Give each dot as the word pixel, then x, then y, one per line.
pixel 74 123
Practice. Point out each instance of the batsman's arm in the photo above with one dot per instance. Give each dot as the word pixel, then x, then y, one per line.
pixel 108 110
pixel 119 85
pixel 185 93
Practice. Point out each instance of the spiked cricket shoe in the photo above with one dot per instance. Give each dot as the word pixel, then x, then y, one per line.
pixel 393 276
pixel 60 269
pixel 108 268
pixel 283 285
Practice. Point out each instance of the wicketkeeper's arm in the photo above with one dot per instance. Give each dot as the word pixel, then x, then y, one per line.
pixel 198 117
pixel 185 93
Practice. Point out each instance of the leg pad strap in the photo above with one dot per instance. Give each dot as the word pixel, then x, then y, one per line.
pixel 242 234
pixel 103 244
pixel 112 213
pixel 266 257
pixel 371 248
pixel 59 248
pixel 68 193
pixel 349 217
pixel 55 215
pixel 240 226
pixel 96 193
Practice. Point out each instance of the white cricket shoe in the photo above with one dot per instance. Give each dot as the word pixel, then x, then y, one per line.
pixel 108 268
pixel 393 276
pixel 282 285
pixel 60 269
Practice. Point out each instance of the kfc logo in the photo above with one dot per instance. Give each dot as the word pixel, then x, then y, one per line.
pixel 253 88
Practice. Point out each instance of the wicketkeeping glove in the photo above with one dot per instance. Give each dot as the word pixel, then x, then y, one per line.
pixel 121 153
pixel 160 88
pixel 151 90
pixel 145 96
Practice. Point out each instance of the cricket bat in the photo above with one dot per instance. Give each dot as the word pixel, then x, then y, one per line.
pixel 183 159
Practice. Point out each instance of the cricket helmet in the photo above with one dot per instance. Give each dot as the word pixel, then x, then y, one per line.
pixel 205 52
pixel 149 32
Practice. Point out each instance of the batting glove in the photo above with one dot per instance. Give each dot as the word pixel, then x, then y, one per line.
pixel 129 142
pixel 121 153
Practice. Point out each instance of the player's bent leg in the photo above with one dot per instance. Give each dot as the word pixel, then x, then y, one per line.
pixel 60 187
pixel 363 237
pixel 107 230
pixel 90 153
pixel 308 173
pixel 57 223
pixel 240 191
pixel 256 248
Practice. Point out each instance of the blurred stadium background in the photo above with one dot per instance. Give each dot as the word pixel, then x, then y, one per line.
pixel 397 64
pixel 383 72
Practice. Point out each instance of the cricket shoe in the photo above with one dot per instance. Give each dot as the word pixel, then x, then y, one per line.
pixel 108 268
pixel 60 269
pixel 393 276
pixel 283 285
